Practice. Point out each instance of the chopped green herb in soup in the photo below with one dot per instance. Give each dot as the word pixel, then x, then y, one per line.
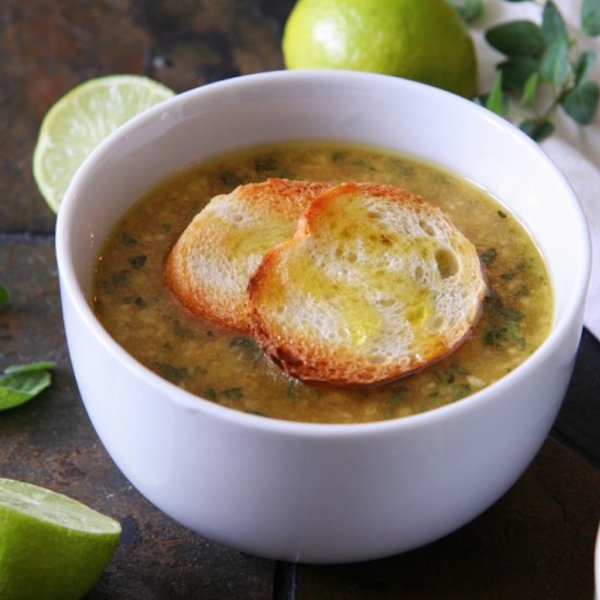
pixel 138 310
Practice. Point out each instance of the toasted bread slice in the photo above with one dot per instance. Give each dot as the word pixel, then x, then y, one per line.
pixel 374 284
pixel 209 266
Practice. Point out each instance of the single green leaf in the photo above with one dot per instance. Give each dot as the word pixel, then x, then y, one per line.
pixel 29 368
pixel 138 261
pixel 553 27
pixel 537 129
pixel 234 393
pixel 128 240
pixel 516 38
pixel 516 71
pixel 495 100
pixel 171 372
pixel 489 255
pixel 469 10
pixel 554 67
pixel 16 388
pixel 529 89
pixel 245 343
pixel 583 66
pixel 590 17
pixel 581 102
pixel 4 296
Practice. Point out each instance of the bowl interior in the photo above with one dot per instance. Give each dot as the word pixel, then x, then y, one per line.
pixel 355 107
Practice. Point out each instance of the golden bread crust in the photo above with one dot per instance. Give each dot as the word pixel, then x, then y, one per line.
pixel 209 266
pixel 375 284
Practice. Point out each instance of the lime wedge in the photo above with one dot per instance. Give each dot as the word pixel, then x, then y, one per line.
pixel 80 120
pixel 51 546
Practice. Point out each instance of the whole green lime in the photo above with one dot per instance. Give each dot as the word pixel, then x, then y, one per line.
pixel 424 40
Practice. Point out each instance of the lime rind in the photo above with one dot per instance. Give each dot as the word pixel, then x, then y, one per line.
pixel 33 501
pixel 83 118
pixel 52 547
pixel 422 40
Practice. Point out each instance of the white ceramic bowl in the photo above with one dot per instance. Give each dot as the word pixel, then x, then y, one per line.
pixel 309 492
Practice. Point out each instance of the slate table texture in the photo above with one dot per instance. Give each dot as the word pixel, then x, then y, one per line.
pixel 536 542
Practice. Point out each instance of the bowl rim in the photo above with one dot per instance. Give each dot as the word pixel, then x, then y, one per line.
pixel 196 404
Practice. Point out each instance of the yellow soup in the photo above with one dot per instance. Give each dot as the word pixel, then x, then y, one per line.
pixel 137 309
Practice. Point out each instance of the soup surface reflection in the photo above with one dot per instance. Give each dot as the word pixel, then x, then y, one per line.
pixel 136 308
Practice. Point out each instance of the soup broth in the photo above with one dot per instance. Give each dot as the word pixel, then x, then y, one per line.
pixel 137 309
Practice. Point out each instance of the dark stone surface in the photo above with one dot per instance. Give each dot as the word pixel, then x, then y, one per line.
pixel 50 442
pixel 579 420
pixel 49 46
pixel 536 542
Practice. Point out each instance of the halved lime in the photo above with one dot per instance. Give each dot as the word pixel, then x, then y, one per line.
pixel 80 120
pixel 51 546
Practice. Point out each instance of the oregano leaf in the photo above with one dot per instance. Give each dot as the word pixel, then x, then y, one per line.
pixel 547 55
pixel 581 102
pixel 583 66
pixel 590 17
pixel 530 89
pixel 537 129
pixel 516 71
pixel 469 10
pixel 516 38
pixel 554 29
pixel 554 67
pixel 495 100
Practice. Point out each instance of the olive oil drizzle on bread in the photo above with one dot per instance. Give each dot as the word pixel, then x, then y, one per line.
pixel 374 284
pixel 210 265
pixel 223 366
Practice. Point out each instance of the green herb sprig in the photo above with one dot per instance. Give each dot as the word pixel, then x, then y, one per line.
pixel 545 70
pixel 4 297
pixel 469 10
pixel 21 383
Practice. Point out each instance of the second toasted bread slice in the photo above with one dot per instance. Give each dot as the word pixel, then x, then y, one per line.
pixel 209 267
pixel 375 284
